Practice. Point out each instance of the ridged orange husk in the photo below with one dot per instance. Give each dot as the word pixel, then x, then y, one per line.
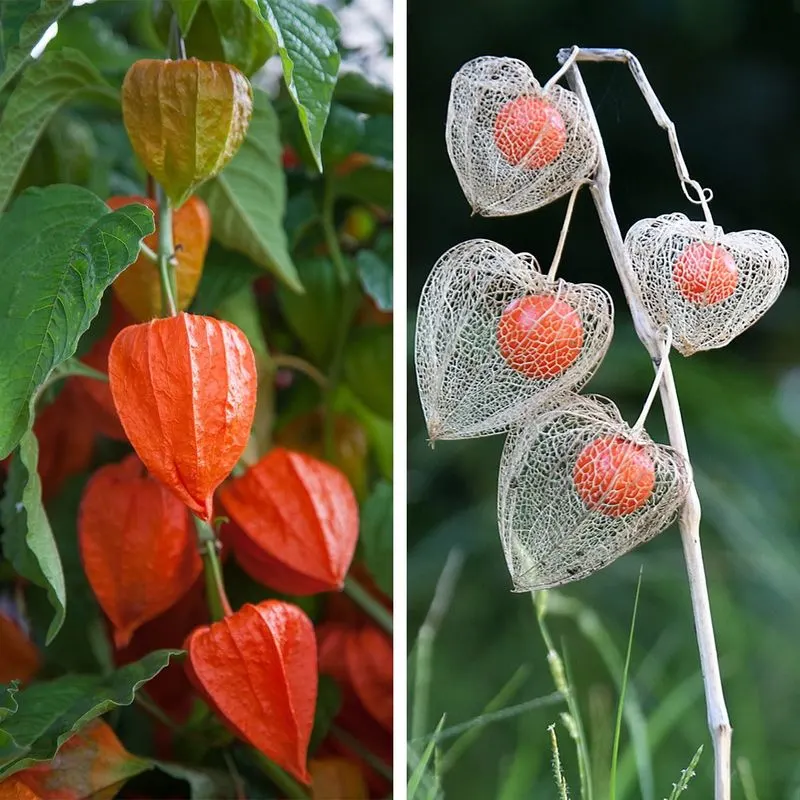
pixel 139 287
pixel 185 392
pixel 298 511
pixel 137 544
pixel 91 763
pixel 185 119
pixel 258 670
pixel 19 657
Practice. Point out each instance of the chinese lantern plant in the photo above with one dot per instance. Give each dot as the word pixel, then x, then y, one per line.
pixel 577 486
pixel 138 424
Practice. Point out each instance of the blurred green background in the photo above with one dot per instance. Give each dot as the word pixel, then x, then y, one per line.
pixel 728 73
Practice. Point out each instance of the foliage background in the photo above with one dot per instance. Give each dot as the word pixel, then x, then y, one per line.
pixel 281 205
pixel 728 74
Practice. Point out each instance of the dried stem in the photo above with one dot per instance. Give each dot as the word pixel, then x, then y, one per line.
pixel 689 521
pixel 562 239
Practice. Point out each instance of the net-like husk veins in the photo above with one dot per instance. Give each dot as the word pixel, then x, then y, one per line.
pixel 257 668
pixel 185 392
pixel 137 545
pixel 295 522
pixel 185 119
pixel 138 287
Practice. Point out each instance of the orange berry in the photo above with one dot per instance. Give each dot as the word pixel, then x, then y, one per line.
pixel 705 274
pixel 540 335
pixel 529 132
pixel 614 476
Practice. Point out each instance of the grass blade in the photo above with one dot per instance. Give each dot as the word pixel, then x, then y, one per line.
pixel 680 787
pixel 612 783
pixel 419 770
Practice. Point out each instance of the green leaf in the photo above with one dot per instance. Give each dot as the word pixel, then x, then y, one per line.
pixel 96 37
pixel 77 649
pixel 51 711
pixel 343 135
pixel 8 701
pixel 378 138
pixel 355 91
pixel 13 14
pixel 314 316
pixel 379 430
pixel 185 11
pixel 248 199
pixel 53 81
pixel 62 248
pixel 204 784
pixel 376 278
pixel 368 368
pixel 329 701
pixel 16 42
pixel 305 35
pixel 376 535
pixel 224 274
pixel 28 539
pixel 372 184
pixel 231 33
pixel 241 309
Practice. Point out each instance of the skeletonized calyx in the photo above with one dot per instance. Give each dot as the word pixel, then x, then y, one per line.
pixel 496 339
pixel 513 146
pixel 578 488
pixel 708 286
pixel 185 119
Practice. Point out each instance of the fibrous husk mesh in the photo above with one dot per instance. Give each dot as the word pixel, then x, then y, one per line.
pixel 493 186
pixel 549 534
pixel 722 305
pixel 467 387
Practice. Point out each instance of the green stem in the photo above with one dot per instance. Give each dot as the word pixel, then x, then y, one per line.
pixel 218 603
pixel 350 741
pixel 359 595
pixel 293 789
pixel 285 361
pixel 166 271
pixel 329 231
pixel 149 705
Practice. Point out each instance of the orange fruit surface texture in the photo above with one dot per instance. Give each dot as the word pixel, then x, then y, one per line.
pixel 540 336
pixel 705 274
pixel 185 119
pixel 295 522
pixel 128 519
pixel 185 391
pixel 138 287
pixel 529 132
pixel 232 663
pixel 614 476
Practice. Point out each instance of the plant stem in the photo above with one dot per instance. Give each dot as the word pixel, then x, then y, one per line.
pixel 359 595
pixel 149 705
pixel 286 361
pixel 442 596
pixel 218 603
pixel 285 782
pixel 329 231
pixel 689 521
pixel 165 269
pixel 350 741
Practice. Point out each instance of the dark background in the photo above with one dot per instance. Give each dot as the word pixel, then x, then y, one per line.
pixel 728 74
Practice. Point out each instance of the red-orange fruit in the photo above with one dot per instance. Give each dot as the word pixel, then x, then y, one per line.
pixel 705 274
pixel 529 132
pixel 540 336
pixel 185 391
pixel 296 522
pixel 137 545
pixel 258 670
pixel 19 657
pixel 139 286
pixel 614 476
